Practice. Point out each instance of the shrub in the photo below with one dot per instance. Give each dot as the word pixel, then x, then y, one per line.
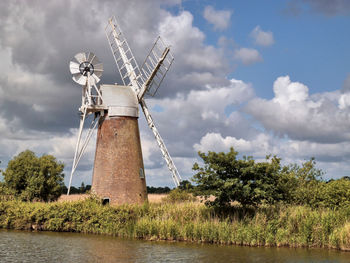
pixel 34 178
pixel 178 195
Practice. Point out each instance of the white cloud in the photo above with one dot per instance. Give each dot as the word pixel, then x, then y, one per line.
pixel 185 119
pixel 196 64
pixel 294 113
pixel 287 91
pixel 219 18
pixel 247 55
pixel 262 38
pixel 328 155
pixel 215 142
pixel 344 101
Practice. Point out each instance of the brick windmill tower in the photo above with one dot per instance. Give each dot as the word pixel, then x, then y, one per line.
pixel 118 175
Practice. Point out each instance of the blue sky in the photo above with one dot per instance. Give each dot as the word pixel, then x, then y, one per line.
pixel 266 77
pixel 311 47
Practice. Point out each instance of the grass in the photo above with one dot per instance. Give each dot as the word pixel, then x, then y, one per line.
pixel 293 226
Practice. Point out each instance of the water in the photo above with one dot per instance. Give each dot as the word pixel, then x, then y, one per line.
pixel 18 246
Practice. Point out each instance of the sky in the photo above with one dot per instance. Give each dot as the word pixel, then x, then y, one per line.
pixel 264 77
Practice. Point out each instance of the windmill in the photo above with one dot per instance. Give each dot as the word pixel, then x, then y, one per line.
pixel 118 175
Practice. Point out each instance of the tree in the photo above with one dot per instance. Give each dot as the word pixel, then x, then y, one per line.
pixel 34 178
pixel 305 184
pixel 185 185
pixel 230 179
pixel 82 188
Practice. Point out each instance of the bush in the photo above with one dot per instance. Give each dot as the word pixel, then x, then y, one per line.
pixel 6 194
pixel 334 194
pixel 178 195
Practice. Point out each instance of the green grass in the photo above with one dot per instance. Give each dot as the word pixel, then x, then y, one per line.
pixel 294 226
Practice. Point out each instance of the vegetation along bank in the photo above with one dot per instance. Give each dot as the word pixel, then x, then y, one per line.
pixel 251 203
pixel 293 226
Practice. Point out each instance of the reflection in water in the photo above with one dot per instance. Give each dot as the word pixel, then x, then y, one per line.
pixel 16 246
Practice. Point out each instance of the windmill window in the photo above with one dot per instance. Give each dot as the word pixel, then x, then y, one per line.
pixel 142 174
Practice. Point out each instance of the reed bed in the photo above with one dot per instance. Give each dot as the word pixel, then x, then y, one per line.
pixel 293 226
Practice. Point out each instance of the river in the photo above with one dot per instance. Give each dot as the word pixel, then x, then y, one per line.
pixel 22 246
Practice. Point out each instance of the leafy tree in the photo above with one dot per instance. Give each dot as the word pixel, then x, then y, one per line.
pixel 230 179
pixel 185 185
pixel 305 184
pixel 34 178
pixel 82 188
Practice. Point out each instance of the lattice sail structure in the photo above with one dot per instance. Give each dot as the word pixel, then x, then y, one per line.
pixel 123 56
pixel 159 52
pixel 151 75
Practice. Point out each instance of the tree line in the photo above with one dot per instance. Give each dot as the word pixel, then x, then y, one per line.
pixel 222 175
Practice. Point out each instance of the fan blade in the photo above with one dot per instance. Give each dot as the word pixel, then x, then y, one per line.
pixel 98 69
pixel 74 67
pixel 80 57
pixel 94 78
pixel 95 61
pixel 91 57
pixel 80 79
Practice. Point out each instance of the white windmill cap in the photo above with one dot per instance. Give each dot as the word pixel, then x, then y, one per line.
pixel 120 100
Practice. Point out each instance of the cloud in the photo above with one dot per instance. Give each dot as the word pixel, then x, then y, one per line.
pixel 220 19
pixel 185 119
pixel 196 64
pixel 346 85
pixel 326 7
pixel 328 155
pixel 195 114
pixel 262 38
pixel 258 145
pixel 247 56
pixel 294 113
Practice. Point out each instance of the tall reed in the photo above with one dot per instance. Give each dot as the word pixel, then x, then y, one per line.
pixel 294 226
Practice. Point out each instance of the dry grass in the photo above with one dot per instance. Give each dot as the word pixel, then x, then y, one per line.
pixel 152 198
pixel 75 197
pixel 156 198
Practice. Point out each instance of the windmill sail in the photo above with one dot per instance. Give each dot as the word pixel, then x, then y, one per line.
pixel 155 67
pixel 125 60
pixel 175 174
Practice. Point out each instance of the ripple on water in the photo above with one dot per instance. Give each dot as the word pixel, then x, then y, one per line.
pixel 21 246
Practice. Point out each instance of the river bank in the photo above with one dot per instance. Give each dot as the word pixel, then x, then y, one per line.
pixel 291 226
